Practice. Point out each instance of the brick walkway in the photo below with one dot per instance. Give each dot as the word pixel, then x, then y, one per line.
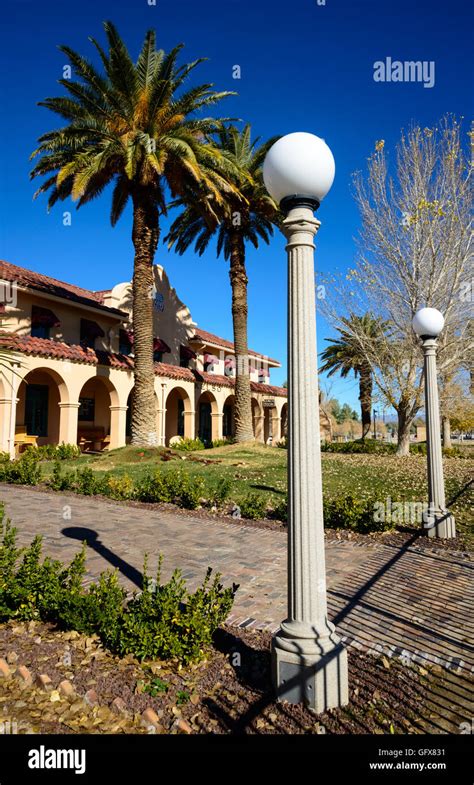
pixel 404 602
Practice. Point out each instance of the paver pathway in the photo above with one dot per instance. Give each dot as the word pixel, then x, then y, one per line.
pixel 405 602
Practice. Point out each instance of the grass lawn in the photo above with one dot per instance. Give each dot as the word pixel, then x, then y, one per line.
pixel 261 470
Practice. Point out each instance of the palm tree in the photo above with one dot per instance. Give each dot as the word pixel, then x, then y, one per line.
pixel 133 126
pixel 240 219
pixel 345 355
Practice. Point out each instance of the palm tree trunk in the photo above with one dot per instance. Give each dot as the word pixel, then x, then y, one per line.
pixel 238 281
pixel 145 235
pixel 365 398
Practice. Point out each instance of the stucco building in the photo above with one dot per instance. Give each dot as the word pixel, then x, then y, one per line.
pixel 69 376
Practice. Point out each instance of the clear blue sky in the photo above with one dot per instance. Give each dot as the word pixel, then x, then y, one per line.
pixel 305 67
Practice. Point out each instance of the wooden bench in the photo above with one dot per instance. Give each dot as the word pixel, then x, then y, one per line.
pixel 23 439
pixel 92 439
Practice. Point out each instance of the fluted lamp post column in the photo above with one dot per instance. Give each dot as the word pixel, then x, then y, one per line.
pixel 309 662
pixel 438 522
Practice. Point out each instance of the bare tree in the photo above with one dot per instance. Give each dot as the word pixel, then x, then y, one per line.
pixel 415 251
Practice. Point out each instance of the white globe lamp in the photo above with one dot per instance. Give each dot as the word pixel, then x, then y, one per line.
pixel 299 169
pixel 428 322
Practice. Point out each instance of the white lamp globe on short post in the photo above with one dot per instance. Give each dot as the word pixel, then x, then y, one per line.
pixel 309 662
pixel 438 522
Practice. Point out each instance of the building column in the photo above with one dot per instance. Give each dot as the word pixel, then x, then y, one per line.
pixel 217 423
pixel 68 421
pixel 258 425
pixel 161 413
pixel 11 408
pixel 5 404
pixel 118 427
pixel 276 428
pixel 189 424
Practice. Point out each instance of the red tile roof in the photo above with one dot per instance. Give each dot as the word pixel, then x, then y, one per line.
pixel 43 283
pixel 56 350
pixel 206 337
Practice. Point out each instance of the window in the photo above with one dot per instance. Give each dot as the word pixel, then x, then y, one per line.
pixel 86 409
pixel 39 331
pixel 89 332
pixel 180 417
pixel 42 319
pixel 36 409
pixel 209 363
pixel 125 342
pixel 185 355
pixel 227 421
pixel 159 349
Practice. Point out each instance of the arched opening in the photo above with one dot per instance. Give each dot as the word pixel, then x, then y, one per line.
pixel 257 420
pixel 38 413
pixel 206 418
pixel 284 421
pixel 177 423
pixel 228 417
pixel 94 417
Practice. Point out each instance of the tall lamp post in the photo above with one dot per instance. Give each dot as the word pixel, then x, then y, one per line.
pixel 308 659
pixel 439 522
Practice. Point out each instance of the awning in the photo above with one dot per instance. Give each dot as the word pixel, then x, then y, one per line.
pixel 43 317
pixel 126 337
pixel 211 359
pixel 160 346
pixel 91 329
pixel 186 353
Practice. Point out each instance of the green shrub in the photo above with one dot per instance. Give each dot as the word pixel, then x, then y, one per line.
pixel 163 621
pixel 370 446
pixel 453 452
pixel 189 445
pixel 166 622
pixel 349 512
pixel 120 487
pixel 86 481
pixel 173 486
pixel 55 452
pixel 191 490
pixel 418 448
pixel 59 480
pixel 283 443
pixel 280 511
pixel 219 494
pixel 222 442
pixel 24 470
pixel 67 451
pixel 152 488
pixel 253 507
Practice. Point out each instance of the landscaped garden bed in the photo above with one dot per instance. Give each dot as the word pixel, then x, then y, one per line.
pixel 249 482
pixel 228 692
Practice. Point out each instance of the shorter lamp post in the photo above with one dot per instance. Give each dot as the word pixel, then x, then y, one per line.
pixel 439 522
pixel 308 659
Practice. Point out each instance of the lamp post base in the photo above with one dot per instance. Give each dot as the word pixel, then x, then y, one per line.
pixel 440 524
pixel 308 668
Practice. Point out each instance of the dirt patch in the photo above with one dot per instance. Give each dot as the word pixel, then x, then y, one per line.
pixel 229 693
